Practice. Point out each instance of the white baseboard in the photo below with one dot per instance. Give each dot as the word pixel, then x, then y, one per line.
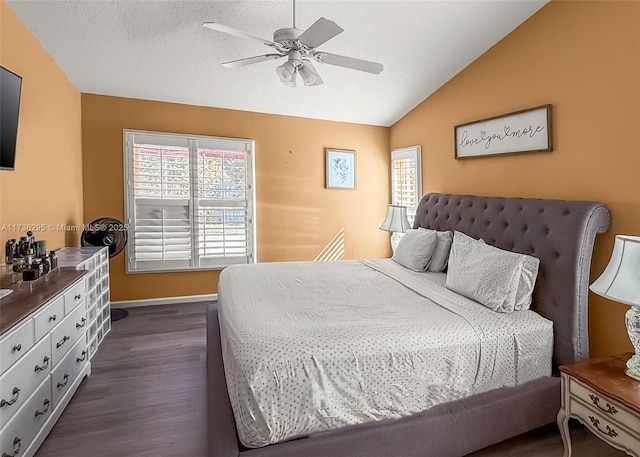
pixel 163 301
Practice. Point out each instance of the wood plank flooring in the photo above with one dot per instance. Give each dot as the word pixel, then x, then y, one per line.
pixel 146 397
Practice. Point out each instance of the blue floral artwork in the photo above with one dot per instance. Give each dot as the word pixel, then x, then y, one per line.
pixel 341 172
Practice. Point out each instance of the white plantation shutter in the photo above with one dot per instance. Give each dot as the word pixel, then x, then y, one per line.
pixel 406 179
pixel 222 219
pixel 189 201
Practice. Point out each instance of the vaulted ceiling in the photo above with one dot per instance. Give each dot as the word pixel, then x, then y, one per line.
pixel 158 50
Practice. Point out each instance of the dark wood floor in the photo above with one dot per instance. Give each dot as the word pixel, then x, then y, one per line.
pixel 146 397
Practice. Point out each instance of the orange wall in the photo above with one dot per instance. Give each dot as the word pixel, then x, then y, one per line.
pixel 296 215
pixel 46 187
pixel 584 59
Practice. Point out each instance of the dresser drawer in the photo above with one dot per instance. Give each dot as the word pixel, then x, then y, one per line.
pixel 49 317
pixel 67 333
pixel 26 424
pixel 15 344
pixel 74 296
pixel 606 429
pixel 604 406
pixel 21 380
pixel 64 375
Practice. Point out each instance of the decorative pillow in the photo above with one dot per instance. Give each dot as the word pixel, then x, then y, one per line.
pixel 486 274
pixel 441 252
pixel 415 249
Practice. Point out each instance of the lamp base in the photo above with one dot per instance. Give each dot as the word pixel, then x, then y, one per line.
pixel 635 374
pixel 632 318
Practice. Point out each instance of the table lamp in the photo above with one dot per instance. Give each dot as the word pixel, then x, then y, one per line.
pixel 396 222
pixel 620 282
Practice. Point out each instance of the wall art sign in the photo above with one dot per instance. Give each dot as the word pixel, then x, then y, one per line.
pixel 528 130
pixel 340 169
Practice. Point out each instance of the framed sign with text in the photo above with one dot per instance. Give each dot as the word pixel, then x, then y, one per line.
pixel 528 130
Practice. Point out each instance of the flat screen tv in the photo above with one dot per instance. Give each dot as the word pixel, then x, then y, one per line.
pixel 10 88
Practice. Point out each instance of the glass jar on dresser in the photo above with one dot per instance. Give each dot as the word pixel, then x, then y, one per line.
pixel 95 260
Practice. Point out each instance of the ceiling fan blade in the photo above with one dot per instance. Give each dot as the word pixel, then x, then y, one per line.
pixel 348 62
pixel 251 60
pixel 320 32
pixel 235 32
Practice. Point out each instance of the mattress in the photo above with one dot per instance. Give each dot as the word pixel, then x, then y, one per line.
pixel 315 346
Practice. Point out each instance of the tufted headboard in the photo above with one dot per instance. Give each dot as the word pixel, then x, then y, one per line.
pixel 560 233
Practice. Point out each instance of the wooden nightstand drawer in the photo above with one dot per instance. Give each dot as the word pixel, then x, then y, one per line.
pixel 605 406
pixel 608 430
pixel 599 394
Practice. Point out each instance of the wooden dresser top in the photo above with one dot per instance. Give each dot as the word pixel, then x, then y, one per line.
pixel 22 302
pixel 606 375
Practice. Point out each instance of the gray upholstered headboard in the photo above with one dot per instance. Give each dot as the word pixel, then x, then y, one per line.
pixel 560 233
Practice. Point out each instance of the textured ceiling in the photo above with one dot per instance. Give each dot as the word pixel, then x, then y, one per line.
pixel 157 50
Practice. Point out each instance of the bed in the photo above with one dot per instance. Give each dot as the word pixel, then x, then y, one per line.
pixel 560 233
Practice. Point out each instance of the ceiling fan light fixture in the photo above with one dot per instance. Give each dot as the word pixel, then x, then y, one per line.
pixel 286 71
pixel 309 75
pixel 291 82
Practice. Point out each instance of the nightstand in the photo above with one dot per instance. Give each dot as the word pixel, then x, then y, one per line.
pixel 604 399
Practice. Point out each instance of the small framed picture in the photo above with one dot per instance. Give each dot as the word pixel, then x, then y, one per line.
pixel 340 169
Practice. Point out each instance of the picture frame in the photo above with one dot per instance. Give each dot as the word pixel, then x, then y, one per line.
pixel 340 169
pixel 528 130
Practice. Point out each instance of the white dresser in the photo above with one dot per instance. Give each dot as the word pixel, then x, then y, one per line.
pixel 94 260
pixel 43 358
pixel 48 333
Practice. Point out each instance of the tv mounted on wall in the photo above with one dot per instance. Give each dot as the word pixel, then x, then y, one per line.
pixel 10 88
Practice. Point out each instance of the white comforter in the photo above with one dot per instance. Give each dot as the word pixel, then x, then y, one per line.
pixel 312 346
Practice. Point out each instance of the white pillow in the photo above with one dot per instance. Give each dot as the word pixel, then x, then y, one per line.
pixel 415 249
pixel 527 282
pixel 486 274
pixel 441 252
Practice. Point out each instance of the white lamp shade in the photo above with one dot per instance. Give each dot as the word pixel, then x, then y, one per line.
pixel 620 281
pixel 286 71
pixel 310 76
pixel 291 82
pixel 396 220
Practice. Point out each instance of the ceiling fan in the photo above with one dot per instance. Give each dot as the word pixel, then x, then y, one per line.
pixel 300 49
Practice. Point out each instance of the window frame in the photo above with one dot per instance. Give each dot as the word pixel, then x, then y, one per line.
pixel 129 204
pixel 408 152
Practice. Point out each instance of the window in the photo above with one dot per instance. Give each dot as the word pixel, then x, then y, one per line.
pixel 188 201
pixel 406 179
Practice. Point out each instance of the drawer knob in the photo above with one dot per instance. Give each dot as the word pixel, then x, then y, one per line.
pixel 44 366
pixel 609 432
pixel 610 409
pixel 65 379
pixel 17 348
pixel 17 444
pixel 81 359
pixel 81 324
pixel 14 398
pixel 62 341
pixel 77 297
pixel 53 318
pixel 46 408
